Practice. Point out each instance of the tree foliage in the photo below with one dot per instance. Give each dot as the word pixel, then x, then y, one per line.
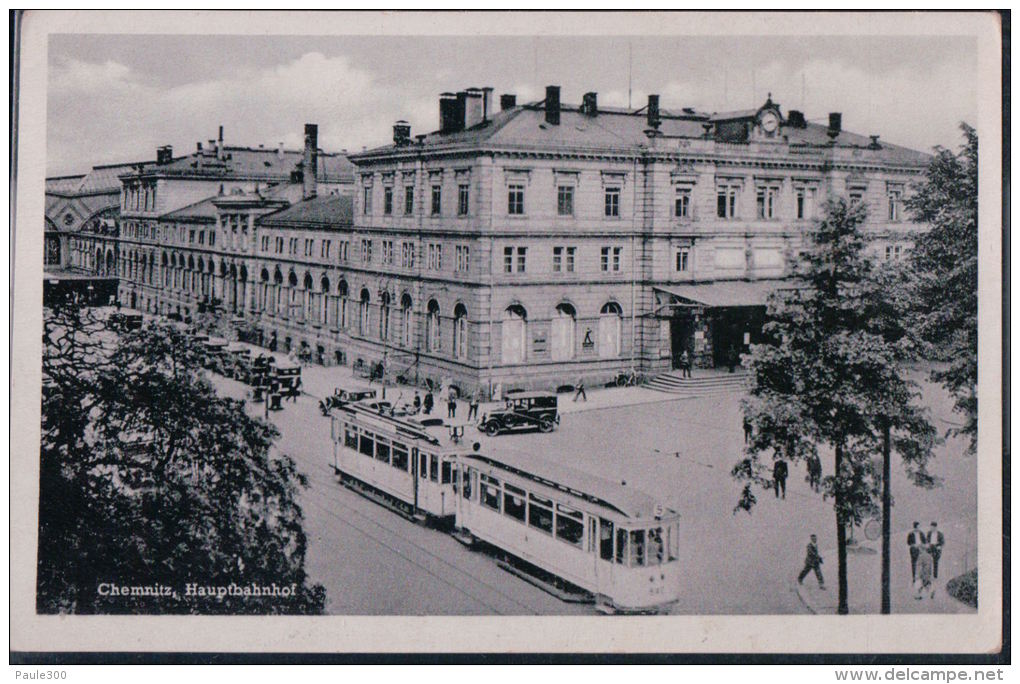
pixel 149 478
pixel 944 273
pixel 829 375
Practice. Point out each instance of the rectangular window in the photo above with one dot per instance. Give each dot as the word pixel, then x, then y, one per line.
pixel 540 515
pixel 463 254
pixel 569 525
pixel 606 540
pixel 805 203
pixel 895 200
pixel 462 200
pixel 309 247
pixel 387 251
pixel 341 251
pixel 515 502
pixel 726 201
pixel 508 259
pixel 433 467
pixel 409 200
pixel 407 254
pixel 326 249
pixel 279 245
pixel 604 262
pixel 212 238
pixel 617 251
pixel 565 200
pixel 446 472
pixel 387 205
pixel 557 259
pixel 366 251
pixel 399 459
pixel 571 251
pixel 683 256
pixel 437 200
pixel 293 245
pixel 522 259
pixel 350 438
pixel 613 202
pixel 201 237
pixel 490 492
pixel 768 198
pixel 682 203
pixel 382 451
pixel 435 257
pixel 191 237
pixel 366 444
pixel 366 204
pixel 515 200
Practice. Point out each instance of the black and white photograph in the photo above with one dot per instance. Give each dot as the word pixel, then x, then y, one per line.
pixel 508 332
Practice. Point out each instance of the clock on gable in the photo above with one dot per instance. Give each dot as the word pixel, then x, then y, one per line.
pixel 769 122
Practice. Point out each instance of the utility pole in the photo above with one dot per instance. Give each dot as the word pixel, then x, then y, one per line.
pixel 886 514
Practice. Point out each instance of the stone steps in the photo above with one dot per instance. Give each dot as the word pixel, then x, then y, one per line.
pixel 705 385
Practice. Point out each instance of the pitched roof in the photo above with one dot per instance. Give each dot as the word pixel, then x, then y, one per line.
pixel 262 163
pixel 320 211
pixel 203 209
pixel 624 129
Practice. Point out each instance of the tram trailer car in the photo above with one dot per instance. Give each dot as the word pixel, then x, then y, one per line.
pixel 608 539
pixel 396 461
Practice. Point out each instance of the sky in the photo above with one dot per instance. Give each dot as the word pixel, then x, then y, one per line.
pixel 116 98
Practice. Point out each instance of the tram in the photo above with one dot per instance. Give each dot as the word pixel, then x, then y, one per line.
pixel 608 539
pixel 397 461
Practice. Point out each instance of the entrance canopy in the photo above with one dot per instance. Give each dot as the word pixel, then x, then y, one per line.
pixel 726 293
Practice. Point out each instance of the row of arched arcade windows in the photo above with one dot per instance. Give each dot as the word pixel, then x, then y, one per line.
pixel 562 333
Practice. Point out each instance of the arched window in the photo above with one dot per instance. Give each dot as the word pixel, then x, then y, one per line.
pixel 277 293
pixel 515 330
pixel 561 333
pixel 324 301
pixel 201 276
pixel 343 295
pixel 99 257
pixel 292 295
pixel 406 320
pixel 432 331
pixel 460 346
pixel 152 268
pixel 610 322
pixel 263 290
pixel 309 311
pixel 363 312
pixel 111 263
pixel 384 316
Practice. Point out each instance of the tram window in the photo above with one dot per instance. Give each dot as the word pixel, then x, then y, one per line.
pixel 447 472
pixel 606 540
pixel 655 546
pixel 469 475
pixel 514 502
pixel 673 541
pixel 637 548
pixel 423 465
pixel 569 525
pixel 490 496
pixel 367 445
pixel 621 547
pixel 350 438
pixel 399 457
pixel 382 451
pixel 540 514
pixel 434 468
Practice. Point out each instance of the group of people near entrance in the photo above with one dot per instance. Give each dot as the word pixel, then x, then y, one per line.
pixel 418 405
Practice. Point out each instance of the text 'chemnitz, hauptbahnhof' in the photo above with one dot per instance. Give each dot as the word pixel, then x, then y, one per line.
pixel 516 246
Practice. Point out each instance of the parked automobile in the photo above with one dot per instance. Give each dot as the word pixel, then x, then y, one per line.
pixel 523 410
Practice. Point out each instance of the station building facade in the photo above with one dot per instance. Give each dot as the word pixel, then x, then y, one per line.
pixel 543 244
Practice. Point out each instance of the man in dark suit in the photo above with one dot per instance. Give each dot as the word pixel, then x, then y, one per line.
pixel 779 472
pixel 935 542
pixel 812 561
pixel 915 539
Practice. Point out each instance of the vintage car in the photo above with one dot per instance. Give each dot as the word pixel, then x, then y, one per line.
pixel 343 396
pixel 523 410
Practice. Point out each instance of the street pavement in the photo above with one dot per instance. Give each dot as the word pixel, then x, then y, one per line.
pixel 680 451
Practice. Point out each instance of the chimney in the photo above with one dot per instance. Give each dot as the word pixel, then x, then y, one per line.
pixel 590 104
pixel 795 119
pixel 874 143
pixel 198 148
pixel 473 108
pixel 507 101
pixel 552 105
pixel 164 154
pixel 219 145
pixel 279 150
pixel 835 124
pixel 447 110
pixel 311 160
pixel 459 111
pixel 487 103
pixel 212 148
pixel 401 133
pixel 653 111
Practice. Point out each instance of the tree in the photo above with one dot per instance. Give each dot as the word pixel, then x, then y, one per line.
pixel 150 479
pixel 829 375
pixel 944 271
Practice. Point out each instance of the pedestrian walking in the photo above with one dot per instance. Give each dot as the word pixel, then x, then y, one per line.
pixel 685 364
pixel 915 540
pixel 580 391
pixel 451 403
pixel 429 403
pixel 779 472
pixel 416 403
pixel 476 399
pixel 924 585
pixel 732 358
pixel 295 390
pixel 814 468
pixel 748 430
pixel 812 561
pixel 935 542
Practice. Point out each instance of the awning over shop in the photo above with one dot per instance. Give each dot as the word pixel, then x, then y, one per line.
pixel 726 293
